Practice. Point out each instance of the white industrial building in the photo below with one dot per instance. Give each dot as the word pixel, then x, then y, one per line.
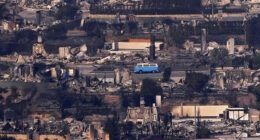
pixel 237 114
pixel 134 45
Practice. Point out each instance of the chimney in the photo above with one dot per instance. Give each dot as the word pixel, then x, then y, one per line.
pixel 142 102
pixel 38 17
pixel 231 45
pixel 39 39
pixel 82 21
pixel 31 70
pixel 115 46
pixel 20 72
pixel 158 100
pixel 203 40
pixel 53 73
pixel 117 76
pixel 152 48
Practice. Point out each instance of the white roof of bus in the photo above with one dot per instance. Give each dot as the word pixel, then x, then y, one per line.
pixel 146 63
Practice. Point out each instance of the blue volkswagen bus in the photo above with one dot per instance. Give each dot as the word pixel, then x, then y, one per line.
pixel 146 67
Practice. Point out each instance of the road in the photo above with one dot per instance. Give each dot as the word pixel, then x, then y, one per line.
pixel 91 70
pixel 225 16
pixel 148 75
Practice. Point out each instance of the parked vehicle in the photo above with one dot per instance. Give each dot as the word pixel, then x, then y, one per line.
pixel 146 68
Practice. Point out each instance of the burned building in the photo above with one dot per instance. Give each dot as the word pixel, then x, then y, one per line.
pixel 64 52
pixel 148 7
pixel 142 114
pixel 230 78
pixel 38 48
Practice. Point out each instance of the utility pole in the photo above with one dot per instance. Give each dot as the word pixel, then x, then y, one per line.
pixel 212 11
pixel 195 120
pixel 212 7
